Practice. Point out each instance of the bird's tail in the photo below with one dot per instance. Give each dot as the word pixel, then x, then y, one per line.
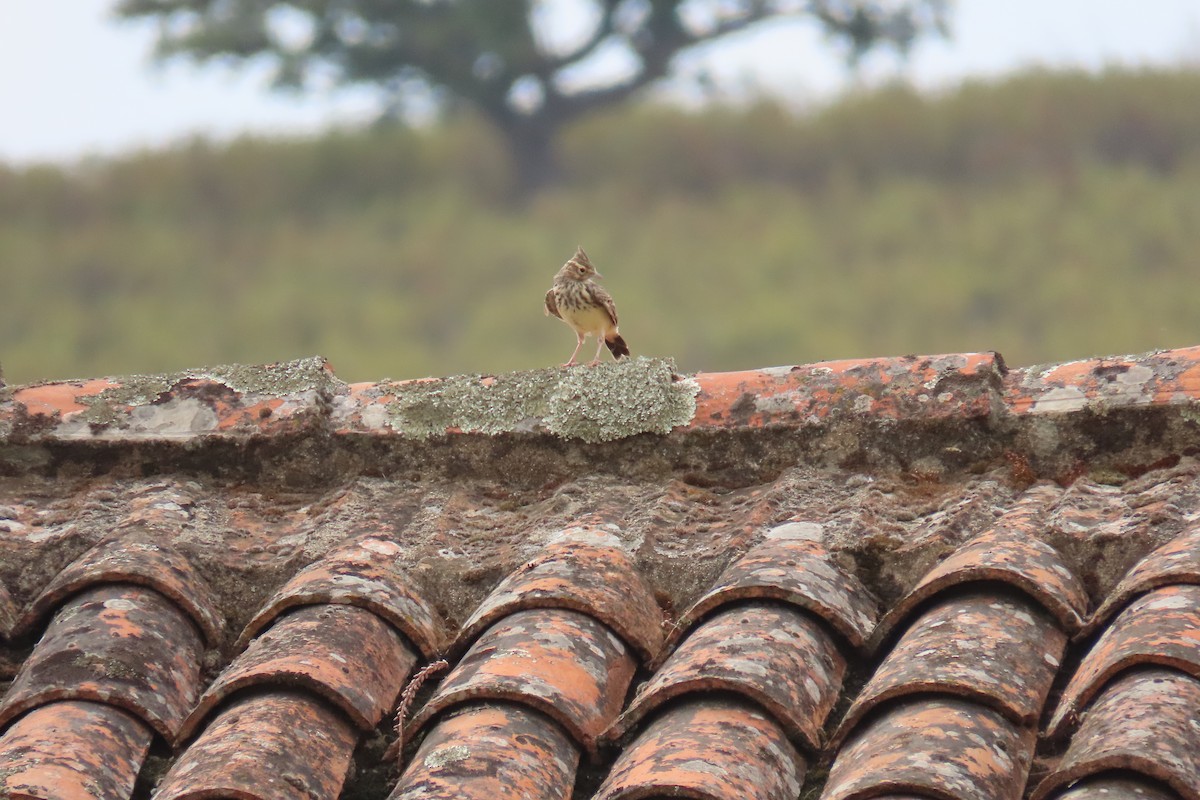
pixel 616 346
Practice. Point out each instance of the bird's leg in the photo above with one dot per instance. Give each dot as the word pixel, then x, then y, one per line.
pixel 599 347
pixel 578 344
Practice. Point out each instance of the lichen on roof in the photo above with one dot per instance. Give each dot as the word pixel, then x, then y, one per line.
pixel 595 404
pixel 272 380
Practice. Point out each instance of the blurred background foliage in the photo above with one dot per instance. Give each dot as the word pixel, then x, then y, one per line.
pixel 1045 215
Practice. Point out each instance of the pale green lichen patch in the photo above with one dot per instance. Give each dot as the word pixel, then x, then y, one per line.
pixel 595 404
pixel 271 380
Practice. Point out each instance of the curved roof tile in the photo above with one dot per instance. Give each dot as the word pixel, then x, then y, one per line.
pixel 1177 561
pixel 136 558
pixel 709 748
pixel 269 746
pixel 1115 787
pixel 73 750
pixel 774 655
pixel 1143 722
pixel 490 751
pixel 1162 628
pixel 344 654
pixel 592 575
pixel 1002 652
pixel 362 573
pixel 118 644
pixel 793 570
pixel 565 664
pixel 934 747
pixel 1009 554
pixel 959 385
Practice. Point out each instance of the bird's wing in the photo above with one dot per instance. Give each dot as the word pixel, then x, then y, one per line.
pixel 599 296
pixel 552 305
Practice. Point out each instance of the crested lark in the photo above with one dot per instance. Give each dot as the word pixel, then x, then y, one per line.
pixel 585 306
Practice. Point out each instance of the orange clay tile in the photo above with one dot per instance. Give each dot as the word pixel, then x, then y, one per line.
pixel 934 747
pixel 362 573
pixel 1008 554
pixel 118 644
pixel 589 574
pixel 266 746
pixel 796 571
pixel 710 748
pixel 907 387
pixel 274 399
pixel 1177 561
pixel 344 654
pixel 490 752
pixel 134 557
pixel 1144 722
pixel 774 655
pixel 1000 651
pixel 1102 384
pixel 562 663
pixel 1162 628
pixel 72 750
pixel 1116 787
pixel 59 400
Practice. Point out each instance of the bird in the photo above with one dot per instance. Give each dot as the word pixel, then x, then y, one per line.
pixel 586 306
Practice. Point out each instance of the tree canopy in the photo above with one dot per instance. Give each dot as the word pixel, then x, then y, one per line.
pixel 500 56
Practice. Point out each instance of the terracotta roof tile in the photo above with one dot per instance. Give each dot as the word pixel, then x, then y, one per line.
pixel 271 746
pixel 1162 627
pixel 343 654
pixel 709 748
pixel 133 557
pixel 363 573
pixel 773 655
pixel 1002 652
pixel 796 570
pixel 1010 554
pixel 72 750
pixel 1116 787
pixel 853 478
pixel 217 401
pixel 584 571
pixel 118 644
pixel 562 663
pixel 491 751
pixel 959 385
pixel 1177 561
pixel 1143 722
pixel 935 747
pixel 1105 383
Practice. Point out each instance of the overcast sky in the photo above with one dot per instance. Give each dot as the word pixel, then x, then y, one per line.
pixel 74 82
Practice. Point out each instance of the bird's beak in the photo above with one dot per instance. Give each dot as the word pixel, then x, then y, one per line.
pixel 598 275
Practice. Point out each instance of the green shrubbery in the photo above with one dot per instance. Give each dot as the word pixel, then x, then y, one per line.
pixel 1047 216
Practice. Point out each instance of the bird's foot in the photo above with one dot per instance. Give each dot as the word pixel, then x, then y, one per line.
pixel 594 362
pixel 570 363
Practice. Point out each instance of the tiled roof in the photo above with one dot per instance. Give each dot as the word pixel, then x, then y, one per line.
pixel 920 577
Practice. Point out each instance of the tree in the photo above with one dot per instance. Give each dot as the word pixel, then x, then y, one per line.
pixel 498 55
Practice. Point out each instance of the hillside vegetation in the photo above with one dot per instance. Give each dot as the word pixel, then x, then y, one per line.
pixel 1047 216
